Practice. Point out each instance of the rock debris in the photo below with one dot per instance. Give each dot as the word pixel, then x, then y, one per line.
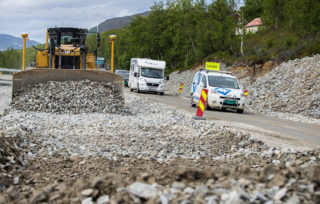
pixel 72 97
pixel 157 154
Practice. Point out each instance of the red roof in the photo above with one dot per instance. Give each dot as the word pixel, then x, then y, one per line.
pixel 255 22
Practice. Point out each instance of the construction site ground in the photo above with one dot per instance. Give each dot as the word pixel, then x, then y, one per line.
pixel 154 152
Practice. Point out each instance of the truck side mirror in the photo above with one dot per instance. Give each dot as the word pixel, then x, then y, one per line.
pixel 167 78
pixel 136 74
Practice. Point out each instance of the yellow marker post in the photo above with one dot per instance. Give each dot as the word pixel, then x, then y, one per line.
pixel 47 41
pixel 213 66
pixel 112 38
pixel 24 36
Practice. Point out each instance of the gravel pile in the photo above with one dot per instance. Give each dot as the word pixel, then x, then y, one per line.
pixel 72 97
pixel 176 78
pixel 156 155
pixel 292 87
pixel 216 185
pixel 5 97
pixel 12 160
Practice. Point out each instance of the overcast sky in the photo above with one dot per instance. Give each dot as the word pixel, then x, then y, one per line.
pixel 35 16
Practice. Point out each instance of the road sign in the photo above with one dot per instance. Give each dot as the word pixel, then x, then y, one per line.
pixel 212 66
pixel 202 105
pixel 180 88
pixel 246 93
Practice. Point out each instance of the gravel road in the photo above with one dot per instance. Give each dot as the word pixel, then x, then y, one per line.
pixel 155 154
pixel 272 130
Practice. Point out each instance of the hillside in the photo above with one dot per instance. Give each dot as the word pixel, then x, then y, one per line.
pixel 7 41
pixel 116 23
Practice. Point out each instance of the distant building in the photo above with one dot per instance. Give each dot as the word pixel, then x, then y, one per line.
pixel 251 27
pixel 254 25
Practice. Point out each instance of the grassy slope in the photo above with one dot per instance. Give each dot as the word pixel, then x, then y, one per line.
pixel 280 45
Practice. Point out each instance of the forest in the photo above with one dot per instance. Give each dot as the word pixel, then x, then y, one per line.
pixel 185 32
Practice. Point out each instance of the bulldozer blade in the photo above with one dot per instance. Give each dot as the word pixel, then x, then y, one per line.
pixel 30 78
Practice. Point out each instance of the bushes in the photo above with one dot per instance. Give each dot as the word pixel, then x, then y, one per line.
pixel 291 42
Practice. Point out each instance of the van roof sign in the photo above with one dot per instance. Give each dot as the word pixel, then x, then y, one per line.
pixel 212 66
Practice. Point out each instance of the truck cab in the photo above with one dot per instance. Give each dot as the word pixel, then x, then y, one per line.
pixel 147 75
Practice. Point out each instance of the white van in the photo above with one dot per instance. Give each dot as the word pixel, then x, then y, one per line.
pixel 224 90
pixel 147 75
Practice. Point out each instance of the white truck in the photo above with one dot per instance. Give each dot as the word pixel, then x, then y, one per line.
pixel 147 75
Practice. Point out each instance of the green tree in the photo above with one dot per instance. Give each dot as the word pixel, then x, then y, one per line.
pixel 252 9
pixel 274 13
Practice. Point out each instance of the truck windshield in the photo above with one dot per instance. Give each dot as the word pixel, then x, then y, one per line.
pixel 223 82
pixel 151 72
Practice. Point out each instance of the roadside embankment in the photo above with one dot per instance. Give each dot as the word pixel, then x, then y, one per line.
pixel 293 87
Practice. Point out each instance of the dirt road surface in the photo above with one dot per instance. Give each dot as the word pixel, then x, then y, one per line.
pixel 269 129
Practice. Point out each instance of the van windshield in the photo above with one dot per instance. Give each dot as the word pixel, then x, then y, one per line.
pixel 123 73
pixel 223 82
pixel 151 73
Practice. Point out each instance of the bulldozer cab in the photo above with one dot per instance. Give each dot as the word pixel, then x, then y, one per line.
pixel 67 36
pixel 67 50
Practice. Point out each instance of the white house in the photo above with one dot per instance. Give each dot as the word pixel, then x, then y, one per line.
pixel 251 27
pixel 254 25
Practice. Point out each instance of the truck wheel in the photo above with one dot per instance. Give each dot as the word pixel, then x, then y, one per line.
pixel 138 90
pixel 161 93
pixel 223 109
pixel 131 88
pixel 240 110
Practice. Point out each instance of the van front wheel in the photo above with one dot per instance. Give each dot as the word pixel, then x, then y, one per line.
pixel 240 110
pixel 192 103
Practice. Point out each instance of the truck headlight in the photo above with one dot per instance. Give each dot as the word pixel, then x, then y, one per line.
pixel 161 82
pixel 143 81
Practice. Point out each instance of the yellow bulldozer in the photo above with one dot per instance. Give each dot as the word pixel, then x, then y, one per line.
pixel 65 58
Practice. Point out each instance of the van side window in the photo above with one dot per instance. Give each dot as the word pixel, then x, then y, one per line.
pixel 204 80
pixel 197 79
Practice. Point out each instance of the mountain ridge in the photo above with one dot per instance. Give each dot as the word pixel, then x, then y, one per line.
pixel 117 23
pixel 10 41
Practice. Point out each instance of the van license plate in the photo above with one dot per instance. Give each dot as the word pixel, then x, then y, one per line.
pixel 230 102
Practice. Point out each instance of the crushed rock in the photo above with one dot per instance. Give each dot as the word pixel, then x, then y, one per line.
pixel 290 91
pixel 72 97
pixel 86 158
